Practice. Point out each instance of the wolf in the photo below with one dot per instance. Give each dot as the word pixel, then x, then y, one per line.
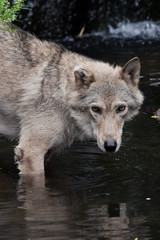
pixel 50 96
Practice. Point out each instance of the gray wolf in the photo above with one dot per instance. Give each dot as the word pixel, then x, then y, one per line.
pixel 50 96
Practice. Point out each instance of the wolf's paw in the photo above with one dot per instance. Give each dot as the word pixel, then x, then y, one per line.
pixel 28 163
pixel 19 154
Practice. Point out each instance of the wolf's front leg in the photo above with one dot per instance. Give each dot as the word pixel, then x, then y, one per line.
pixel 29 154
pixel 29 162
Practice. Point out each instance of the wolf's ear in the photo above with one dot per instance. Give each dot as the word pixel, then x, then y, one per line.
pixel 130 71
pixel 83 77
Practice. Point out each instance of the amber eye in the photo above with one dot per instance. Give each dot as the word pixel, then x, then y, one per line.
pixel 121 108
pixel 96 109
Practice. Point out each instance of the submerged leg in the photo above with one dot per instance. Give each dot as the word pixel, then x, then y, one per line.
pixel 38 134
pixel 29 154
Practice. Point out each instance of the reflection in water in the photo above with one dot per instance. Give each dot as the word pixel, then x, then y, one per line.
pixel 59 212
pixel 46 213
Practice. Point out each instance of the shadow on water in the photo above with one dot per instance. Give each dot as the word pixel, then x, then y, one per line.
pixel 88 194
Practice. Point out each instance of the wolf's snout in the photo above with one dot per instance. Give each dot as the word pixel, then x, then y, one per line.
pixel 110 146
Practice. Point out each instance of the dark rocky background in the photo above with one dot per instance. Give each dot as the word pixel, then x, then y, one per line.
pixel 58 18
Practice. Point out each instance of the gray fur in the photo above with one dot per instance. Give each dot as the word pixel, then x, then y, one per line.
pixel 47 95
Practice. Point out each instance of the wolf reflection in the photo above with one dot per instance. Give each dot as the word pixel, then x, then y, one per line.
pixel 55 211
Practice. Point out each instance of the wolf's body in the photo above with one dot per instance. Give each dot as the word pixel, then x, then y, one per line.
pixel 50 97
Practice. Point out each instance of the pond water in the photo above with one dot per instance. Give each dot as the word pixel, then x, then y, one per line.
pixel 88 194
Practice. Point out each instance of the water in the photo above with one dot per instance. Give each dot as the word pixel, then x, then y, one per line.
pixel 88 194
pixel 49 19
pixel 143 30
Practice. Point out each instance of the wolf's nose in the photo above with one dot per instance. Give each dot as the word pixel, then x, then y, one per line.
pixel 110 146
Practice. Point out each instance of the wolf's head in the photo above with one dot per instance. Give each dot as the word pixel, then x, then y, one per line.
pixel 103 99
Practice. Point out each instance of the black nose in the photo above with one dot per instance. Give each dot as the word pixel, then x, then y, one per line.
pixel 110 146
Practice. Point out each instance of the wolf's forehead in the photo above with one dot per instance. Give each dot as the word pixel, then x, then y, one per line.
pixel 109 91
pixel 99 95
pixel 103 89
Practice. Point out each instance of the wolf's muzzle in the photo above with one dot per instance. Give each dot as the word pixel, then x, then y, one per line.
pixel 110 146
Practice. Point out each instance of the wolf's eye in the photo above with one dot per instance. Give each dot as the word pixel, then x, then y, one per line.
pixel 121 108
pixel 96 109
